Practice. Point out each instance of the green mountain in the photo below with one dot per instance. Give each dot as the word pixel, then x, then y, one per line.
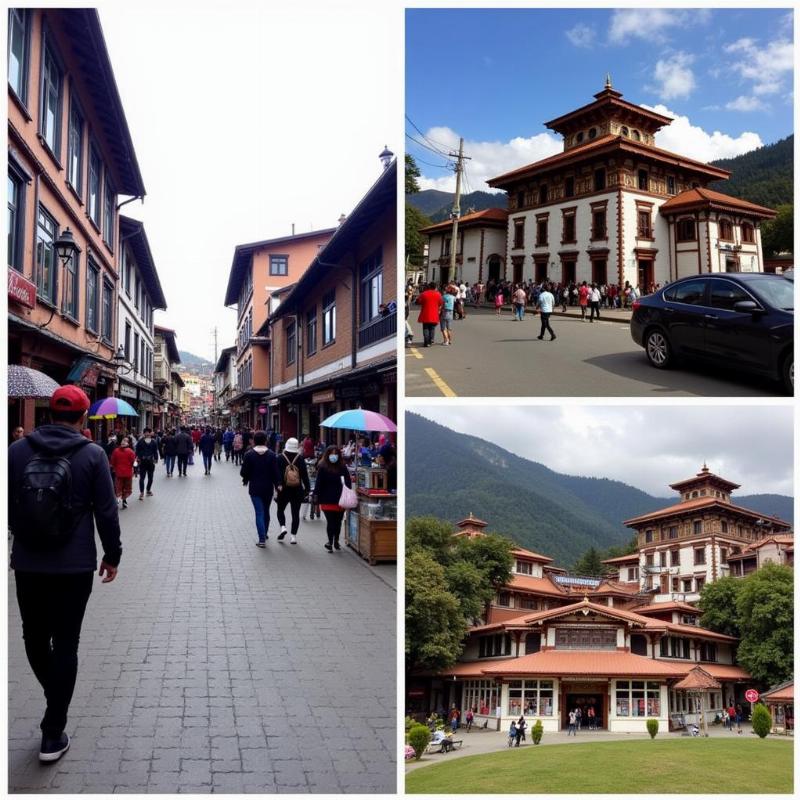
pixel 451 474
pixel 438 205
pixel 764 176
pixel 191 361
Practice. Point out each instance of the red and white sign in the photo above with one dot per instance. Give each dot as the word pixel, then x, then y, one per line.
pixel 21 290
pixel 262 409
pixel 751 695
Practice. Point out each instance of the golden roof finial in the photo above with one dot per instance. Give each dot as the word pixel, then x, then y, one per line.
pixel 608 80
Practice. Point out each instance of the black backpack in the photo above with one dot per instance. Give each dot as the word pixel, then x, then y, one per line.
pixel 43 516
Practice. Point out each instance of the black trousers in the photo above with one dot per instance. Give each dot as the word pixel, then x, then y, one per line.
pixel 52 608
pixel 545 325
pixel 293 499
pixel 428 332
pixel 146 470
pixel 594 310
pixel 334 526
pixel 183 461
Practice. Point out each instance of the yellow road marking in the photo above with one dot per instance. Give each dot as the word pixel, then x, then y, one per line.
pixel 414 352
pixel 440 384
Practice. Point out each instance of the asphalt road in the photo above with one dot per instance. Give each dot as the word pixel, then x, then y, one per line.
pixel 497 357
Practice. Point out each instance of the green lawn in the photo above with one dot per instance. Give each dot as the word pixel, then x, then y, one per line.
pixel 663 766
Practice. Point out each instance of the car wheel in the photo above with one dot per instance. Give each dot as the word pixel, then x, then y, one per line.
pixel 788 374
pixel 658 349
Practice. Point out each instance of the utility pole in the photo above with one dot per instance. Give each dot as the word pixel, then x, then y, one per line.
pixel 216 354
pixel 456 213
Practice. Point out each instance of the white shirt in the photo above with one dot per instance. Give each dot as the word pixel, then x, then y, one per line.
pixel 594 296
pixel 462 291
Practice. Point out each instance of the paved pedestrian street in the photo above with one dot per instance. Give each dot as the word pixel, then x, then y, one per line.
pixel 497 357
pixel 211 665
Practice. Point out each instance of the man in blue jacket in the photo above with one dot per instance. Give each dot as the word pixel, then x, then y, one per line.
pixel 54 582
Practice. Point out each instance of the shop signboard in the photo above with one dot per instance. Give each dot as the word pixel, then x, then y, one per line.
pixel 127 391
pixel 91 375
pixel 327 396
pixel 21 290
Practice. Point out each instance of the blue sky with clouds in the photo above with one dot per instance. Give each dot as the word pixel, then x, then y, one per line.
pixel 494 76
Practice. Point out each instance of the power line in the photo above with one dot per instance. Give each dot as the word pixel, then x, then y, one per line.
pixel 425 146
pixel 427 138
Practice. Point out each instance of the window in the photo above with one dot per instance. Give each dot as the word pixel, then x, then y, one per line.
pixel 674 558
pixel 624 130
pixel 691 293
pixel 15 221
pixel 642 179
pixel 497 645
pixel 648 536
pixel 648 559
pixel 699 583
pixel 75 148
pixel 329 317
pixel 95 168
pixel 291 343
pixel 534 698
pixel 503 599
pixel 519 233
pixel 724 526
pixel 594 638
pixel 126 260
pixel 748 233
pixel 69 300
pixel 672 533
pixel 599 180
pixel 279 265
pixel 726 295
pixel 108 311
pixel 127 341
pixel 670 184
pixel 638 698
pixel 568 232
pixel 446 243
pixel 520 199
pixel 592 133
pixel 579 137
pixel 136 291
pixel 543 193
pixel 726 230
pixel 699 556
pixel 50 111
pixel 541 232
pixel 644 230
pixel 371 285
pixel 685 230
pixel 524 568
pixel 723 555
pixel 142 361
pixel 697 527
pixel 633 574
pixel 663 558
pixel 311 331
pixel 599 225
pixel 108 215
pixel 483 697
pixel 46 279
pixel 569 187
pixel 636 136
pixel 687 585
pixel 92 298
pixel 18 51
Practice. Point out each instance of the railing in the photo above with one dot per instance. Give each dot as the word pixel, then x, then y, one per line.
pixel 377 329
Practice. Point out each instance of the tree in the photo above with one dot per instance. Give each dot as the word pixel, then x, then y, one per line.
pixel 589 563
pixel 464 581
pixel 430 534
pixel 777 235
pixel 718 604
pixel 415 241
pixel 765 606
pixel 762 720
pixel 491 554
pixel 412 173
pixel 418 737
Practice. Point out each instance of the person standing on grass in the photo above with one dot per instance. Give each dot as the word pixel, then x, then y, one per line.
pixel 122 463
pixel 147 454
pixel 332 474
pixel 262 477
pixel 431 303
pixel 207 445
pixel 296 486
pixel 54 577
pixel 545 305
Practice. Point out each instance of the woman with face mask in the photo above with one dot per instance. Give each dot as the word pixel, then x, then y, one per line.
pixel 122 464
pixel 147 453
pixel 331 475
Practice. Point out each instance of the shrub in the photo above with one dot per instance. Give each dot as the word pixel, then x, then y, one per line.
pixel 410 723
pixel 762 720
pixel 536 731
pixel 418 737
pixel 652 727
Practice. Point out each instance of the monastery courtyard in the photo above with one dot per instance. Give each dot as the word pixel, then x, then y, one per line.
pixel 210 665
pixel 497 357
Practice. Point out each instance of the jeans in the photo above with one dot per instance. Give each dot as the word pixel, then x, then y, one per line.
pixel 519 311
pixel 146 470
pixel 572 730
pixel 428 332
pixel 207 459
pixel 594 310
pixel 294 500
pixel 182 463
pixel 169 463
pixel 228 451
pixel 261 507
pixel 334 526
pixel 52 608
pixel 546 326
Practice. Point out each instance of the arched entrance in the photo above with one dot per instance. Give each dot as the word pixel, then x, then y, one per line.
pixel 493 268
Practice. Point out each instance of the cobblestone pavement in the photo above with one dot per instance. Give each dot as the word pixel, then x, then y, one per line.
pixel 211 665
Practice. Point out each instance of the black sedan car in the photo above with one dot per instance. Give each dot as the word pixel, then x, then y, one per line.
pixel 739 320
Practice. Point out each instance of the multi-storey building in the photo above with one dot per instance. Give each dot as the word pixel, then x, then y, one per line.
pixel 70 159
pixel 333 335
pixel 166 356
pixel 139 295
pixel 177 398
pixel 224 384
pixel 613 207
pixel 258 271
pixel 481 252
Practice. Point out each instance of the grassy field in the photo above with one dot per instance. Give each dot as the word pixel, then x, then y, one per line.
pixel 664 766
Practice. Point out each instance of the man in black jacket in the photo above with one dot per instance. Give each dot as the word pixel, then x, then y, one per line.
pixel 54 584
pixel 262 477
pixel 147 455
pixel 184 447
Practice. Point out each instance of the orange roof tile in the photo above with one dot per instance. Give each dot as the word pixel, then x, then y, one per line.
pixel 697 678
pixel 694 505
pixel 653 608
pixel 784 693
pixel 559 663
pixel 621 559
pixel 724 672
pixel 530 584
pixel 616 587
pixel 475 218
pixel 780 538
pixel 470 669
pixel 707 197
pixel 521 551
pixel 696 630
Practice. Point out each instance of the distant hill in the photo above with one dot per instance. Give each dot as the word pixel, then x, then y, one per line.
pixel 190 360
pixel 438 205
pixel 451 474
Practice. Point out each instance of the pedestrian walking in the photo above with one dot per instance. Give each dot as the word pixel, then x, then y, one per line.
pixel 572 729
pixel 731 715
pixel 207 445
pixel 147 456
pixel 583 300
pixel 512 733
pixel 446 316
pixel 738 718
pixel 169 447
pixel 227 443
pixel 521 725
pixel 53 553
pixel 578 717
pixel 545 306
pixel 462 299
pixel 184 448
pixel 498 301
pixel 431 303
pixel 520 297
pixel 122 460
pixel 295 487
pixel 594 302
pixel 262 477
pixel 332 474
pixel 218 444
pixel 238 447
pixel 469 718
pixel 592 717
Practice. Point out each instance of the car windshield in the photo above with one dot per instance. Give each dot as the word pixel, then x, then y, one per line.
pixel 777 293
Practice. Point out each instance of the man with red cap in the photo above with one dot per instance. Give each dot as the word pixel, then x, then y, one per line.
pixel 60 488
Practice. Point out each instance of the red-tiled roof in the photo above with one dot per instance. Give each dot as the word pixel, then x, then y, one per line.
pixel 530 584
pixel 780 694
pixel 470 669
pixel 616 587
pixel 621 559
pixel 778 538
pixel 560 663
pixel 701 197
pixel 695 630
pixel 609 97
pixel 705 473
pixel 654 608
pixel 697 678
pixel 699 503
pixel 724 672
pixel 521 551
pixel 488 215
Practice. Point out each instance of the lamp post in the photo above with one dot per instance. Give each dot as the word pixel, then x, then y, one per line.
pixel 386 157
pixel 66 247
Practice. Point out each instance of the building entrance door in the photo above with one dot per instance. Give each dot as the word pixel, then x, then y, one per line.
pixel 541 271
pixel 645 276
pixel 584 697
pixel 444 276
pixel 568 273
pixel 494 269
pixel 517 273
pixel 599 272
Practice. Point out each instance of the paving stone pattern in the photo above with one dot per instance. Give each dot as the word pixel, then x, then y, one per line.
pixel 211 665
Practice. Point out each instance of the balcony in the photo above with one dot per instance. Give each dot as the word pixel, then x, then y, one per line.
pixel 377 329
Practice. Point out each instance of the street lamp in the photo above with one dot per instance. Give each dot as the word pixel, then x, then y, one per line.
pixel 66 247
pixel 386 157
pixel 121 364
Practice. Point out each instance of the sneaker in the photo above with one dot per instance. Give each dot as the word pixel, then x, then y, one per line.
pixel 53 748
pixel 282 534
pixel 328 547
pixel 293 540
pixel 124 503
pixel 149 494
pixel 540 337
pixel 552 338
pixel 141 497
pixel 261 544
pixel 337 546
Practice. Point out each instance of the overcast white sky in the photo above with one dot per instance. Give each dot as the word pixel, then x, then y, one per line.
pixel 247 118
pixel 647 447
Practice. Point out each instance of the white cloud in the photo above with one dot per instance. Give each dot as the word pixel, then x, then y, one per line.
pixel 581 35
pixel 674 76
pixel 490 159
pixel 764 66
pixel 745 103
pixel 651 24
pixel 692 141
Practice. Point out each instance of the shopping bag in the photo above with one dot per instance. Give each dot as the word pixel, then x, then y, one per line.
pixel 348 498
